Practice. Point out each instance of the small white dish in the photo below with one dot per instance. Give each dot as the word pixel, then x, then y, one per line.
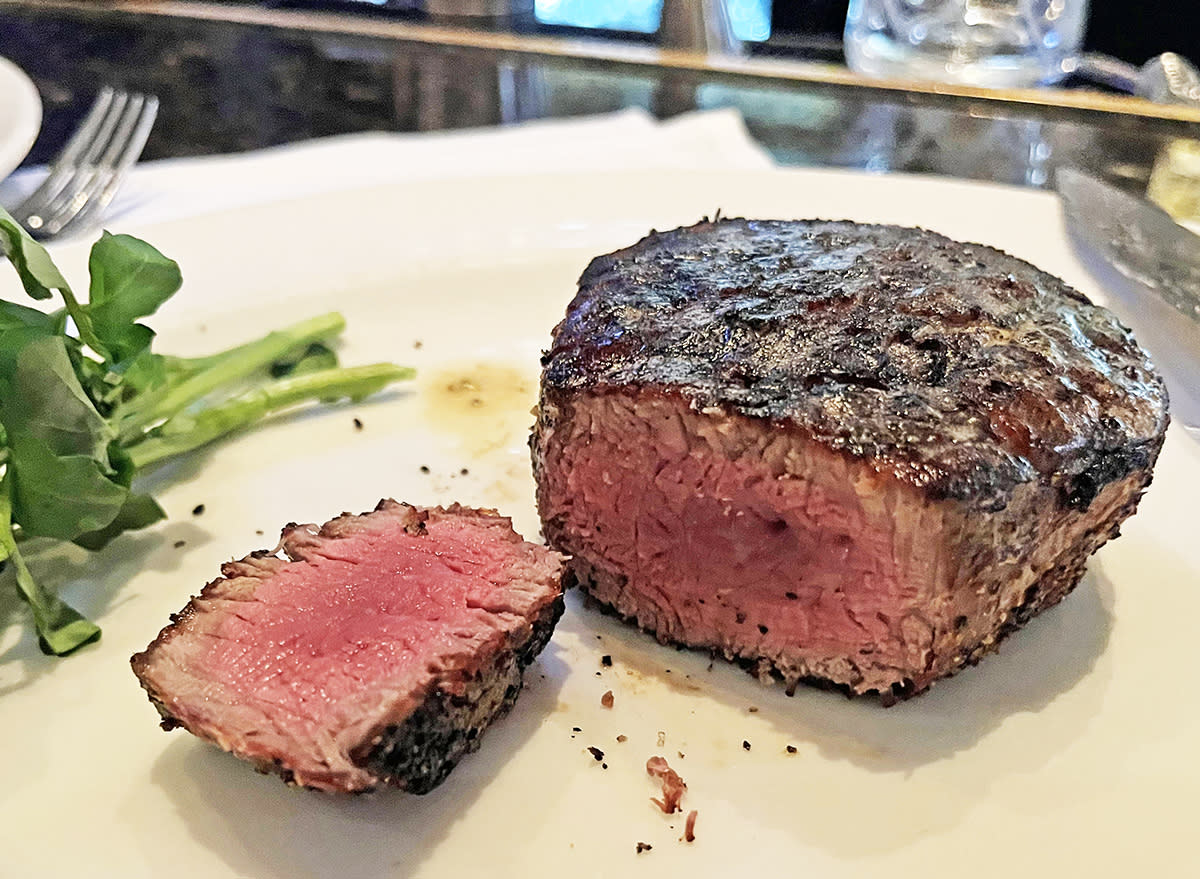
pixel 20 116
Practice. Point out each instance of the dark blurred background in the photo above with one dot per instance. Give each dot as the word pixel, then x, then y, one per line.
pixel 228 86
pixel 1132 31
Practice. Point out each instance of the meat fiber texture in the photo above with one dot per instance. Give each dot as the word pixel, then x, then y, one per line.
pixel 373 650
pixel 837 453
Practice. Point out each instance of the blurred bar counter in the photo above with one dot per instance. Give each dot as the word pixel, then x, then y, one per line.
pixel 240 75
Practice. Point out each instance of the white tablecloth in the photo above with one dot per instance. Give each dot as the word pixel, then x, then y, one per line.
pixel 627 140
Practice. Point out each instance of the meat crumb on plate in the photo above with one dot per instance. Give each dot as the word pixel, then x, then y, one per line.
pixel 673 786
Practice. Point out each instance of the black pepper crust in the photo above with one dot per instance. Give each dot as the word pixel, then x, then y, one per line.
pixel 420 753
pixel 963 370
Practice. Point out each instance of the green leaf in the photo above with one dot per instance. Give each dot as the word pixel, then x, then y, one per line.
pixel 40 395
pixel 125 345
pixel 145 371
pixel 108 385
pixel 39 276
pixel 61 496
pixel 63 481
pixel 14 317
pixel 100 383
pixel 122 464
pixel 130 279
pixel 138 511
pixel 61 629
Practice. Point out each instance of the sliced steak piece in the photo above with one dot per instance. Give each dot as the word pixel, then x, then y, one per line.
pixel 841 453
pixel 375 652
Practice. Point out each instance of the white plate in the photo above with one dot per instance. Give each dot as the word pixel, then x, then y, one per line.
pixel 1072 752
pixel 20 115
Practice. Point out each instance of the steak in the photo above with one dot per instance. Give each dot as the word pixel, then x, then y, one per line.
pixel 836 453
pixel 374 650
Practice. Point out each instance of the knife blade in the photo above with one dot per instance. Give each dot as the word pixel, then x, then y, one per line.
pixel 1137 237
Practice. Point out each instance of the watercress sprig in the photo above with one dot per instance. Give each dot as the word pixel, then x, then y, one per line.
pixel 85 404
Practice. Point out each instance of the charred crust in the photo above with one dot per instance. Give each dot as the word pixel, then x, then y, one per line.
pixel 902 333
pixel 183 615
pixel 1114 464
pixel 569 578
pixel 899 691
pixel 416 524
pixel 419 753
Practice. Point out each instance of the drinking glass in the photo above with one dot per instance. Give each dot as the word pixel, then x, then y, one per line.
pixel 990 43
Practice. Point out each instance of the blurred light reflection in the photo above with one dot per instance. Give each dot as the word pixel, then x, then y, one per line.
pixel 751 19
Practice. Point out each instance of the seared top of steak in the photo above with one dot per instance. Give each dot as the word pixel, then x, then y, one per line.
pixel 959 368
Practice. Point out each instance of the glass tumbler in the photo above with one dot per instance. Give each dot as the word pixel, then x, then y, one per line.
pixel 989 43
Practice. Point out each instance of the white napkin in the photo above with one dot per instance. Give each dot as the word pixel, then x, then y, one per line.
pixel 627 140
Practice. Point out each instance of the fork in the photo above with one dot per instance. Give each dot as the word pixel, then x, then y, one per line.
pixel 86 175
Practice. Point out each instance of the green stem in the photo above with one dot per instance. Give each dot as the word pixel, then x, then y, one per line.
pixel 188 432
pixel 187 366
pixel 225 369
pixel 83 323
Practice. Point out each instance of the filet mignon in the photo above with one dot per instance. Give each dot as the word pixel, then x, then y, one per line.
pixel 841 453
pixel 374 650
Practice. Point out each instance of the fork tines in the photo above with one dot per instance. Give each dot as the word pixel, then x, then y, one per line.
pixel 85 176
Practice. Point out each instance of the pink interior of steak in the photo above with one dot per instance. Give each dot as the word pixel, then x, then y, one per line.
pixel 300 661
pixel 739 535
pixel 315 631
pixel 752 549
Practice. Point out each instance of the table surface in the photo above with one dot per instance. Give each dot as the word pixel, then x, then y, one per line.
pixel 240 75
pixel 1078 750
